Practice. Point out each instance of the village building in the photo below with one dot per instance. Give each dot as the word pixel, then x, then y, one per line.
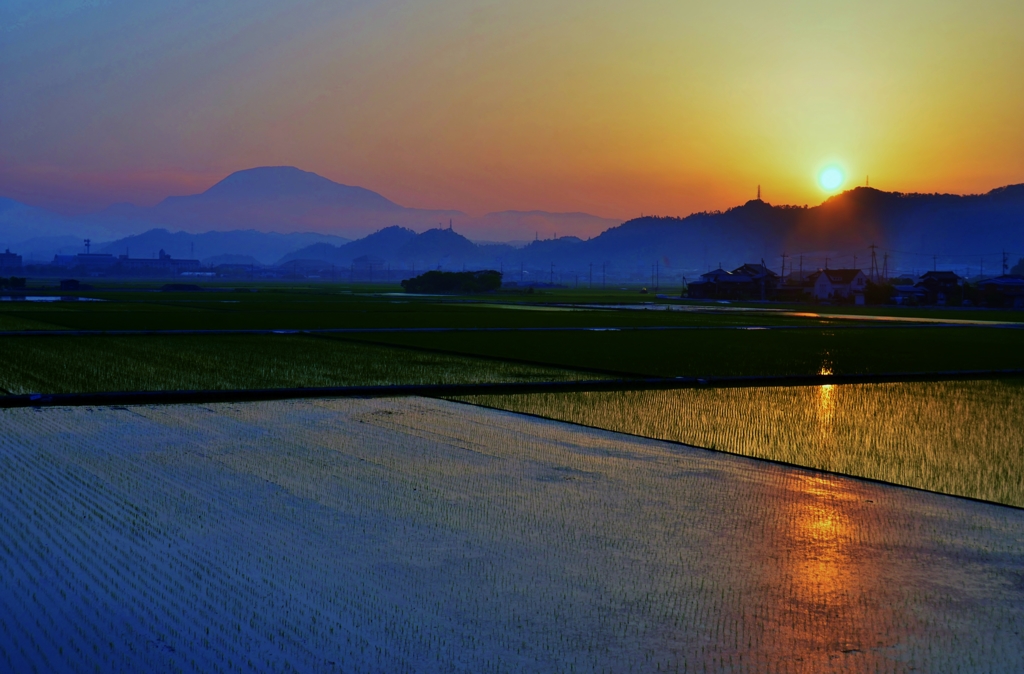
pixel 941 287
pixel 10 263
pixel 1002 291
pixel 838 284
pixel 748 282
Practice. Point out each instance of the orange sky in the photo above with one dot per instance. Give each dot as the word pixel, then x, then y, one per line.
pixel 611 108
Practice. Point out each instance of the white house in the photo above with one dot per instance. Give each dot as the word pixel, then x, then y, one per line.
pixel 827 284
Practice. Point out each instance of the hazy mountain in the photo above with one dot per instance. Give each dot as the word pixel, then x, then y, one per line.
pixel 26 229
pixel 401 247
pixel 530 225
pixel 264 247
pixel 282 199
pixel 275 198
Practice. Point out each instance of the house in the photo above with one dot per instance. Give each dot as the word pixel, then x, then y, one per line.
pixel 941 287
pixel 1002 291
pixel 838 284
pixel 908 293
pixel 10 263
pixel 751 282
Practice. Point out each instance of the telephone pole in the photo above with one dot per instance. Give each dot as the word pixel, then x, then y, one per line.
pixel 874 264
pixel 783 276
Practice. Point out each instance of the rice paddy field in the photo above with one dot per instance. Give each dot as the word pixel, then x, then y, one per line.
pixel 152 363
pixel 420 535
pixel 956 437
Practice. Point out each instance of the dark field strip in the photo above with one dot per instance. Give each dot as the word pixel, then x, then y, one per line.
pixel 96 364
pixel 605 328
pixel 735 353
pixel 342 311
pixel 108 398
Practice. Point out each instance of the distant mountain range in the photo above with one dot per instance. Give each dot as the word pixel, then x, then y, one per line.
pixel 273 200
pixel 909 228
pixel 284 215
pixel 211 248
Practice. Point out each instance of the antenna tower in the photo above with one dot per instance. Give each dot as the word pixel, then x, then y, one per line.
pixel 88 243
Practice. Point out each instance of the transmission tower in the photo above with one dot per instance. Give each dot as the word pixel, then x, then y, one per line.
pixel 873 275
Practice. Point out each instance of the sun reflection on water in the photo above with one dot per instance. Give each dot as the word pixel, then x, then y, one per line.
pixel 827 579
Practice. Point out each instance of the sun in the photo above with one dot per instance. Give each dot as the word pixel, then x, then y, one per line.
pixel 830 179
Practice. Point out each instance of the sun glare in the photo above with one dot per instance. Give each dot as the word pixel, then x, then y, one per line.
pixel 831 178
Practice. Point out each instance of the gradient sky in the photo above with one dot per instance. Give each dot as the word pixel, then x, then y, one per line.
pixel 613 108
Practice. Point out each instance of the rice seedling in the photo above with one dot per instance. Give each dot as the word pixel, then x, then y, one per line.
pixel 426 536
pixel 957 437
pixel 84 364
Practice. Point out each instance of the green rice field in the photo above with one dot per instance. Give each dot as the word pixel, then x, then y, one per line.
pixel 956 437
pixel 88 364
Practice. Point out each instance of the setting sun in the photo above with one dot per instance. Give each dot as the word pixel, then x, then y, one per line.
pixel 831 178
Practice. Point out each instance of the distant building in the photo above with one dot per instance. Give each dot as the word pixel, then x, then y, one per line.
pixel 838 284
pixel 10 263
pixel 85 261
pixel 163 264
pixel 1002 291
pixel 941 287
pixel 749 282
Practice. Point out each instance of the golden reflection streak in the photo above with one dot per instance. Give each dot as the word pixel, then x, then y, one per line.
pixel 828 576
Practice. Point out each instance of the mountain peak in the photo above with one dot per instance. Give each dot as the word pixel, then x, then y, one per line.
pixel 273 183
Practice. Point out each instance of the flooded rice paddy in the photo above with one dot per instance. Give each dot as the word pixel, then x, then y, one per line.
pixel 413 535
pixel 956 437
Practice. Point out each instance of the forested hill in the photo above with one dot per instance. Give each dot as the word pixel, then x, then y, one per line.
pixel 953 227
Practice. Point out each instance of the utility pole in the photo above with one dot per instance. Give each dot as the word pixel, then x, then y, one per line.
pixel 784 256
pixel 826 263
pixel 854 261
pixel 874 264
